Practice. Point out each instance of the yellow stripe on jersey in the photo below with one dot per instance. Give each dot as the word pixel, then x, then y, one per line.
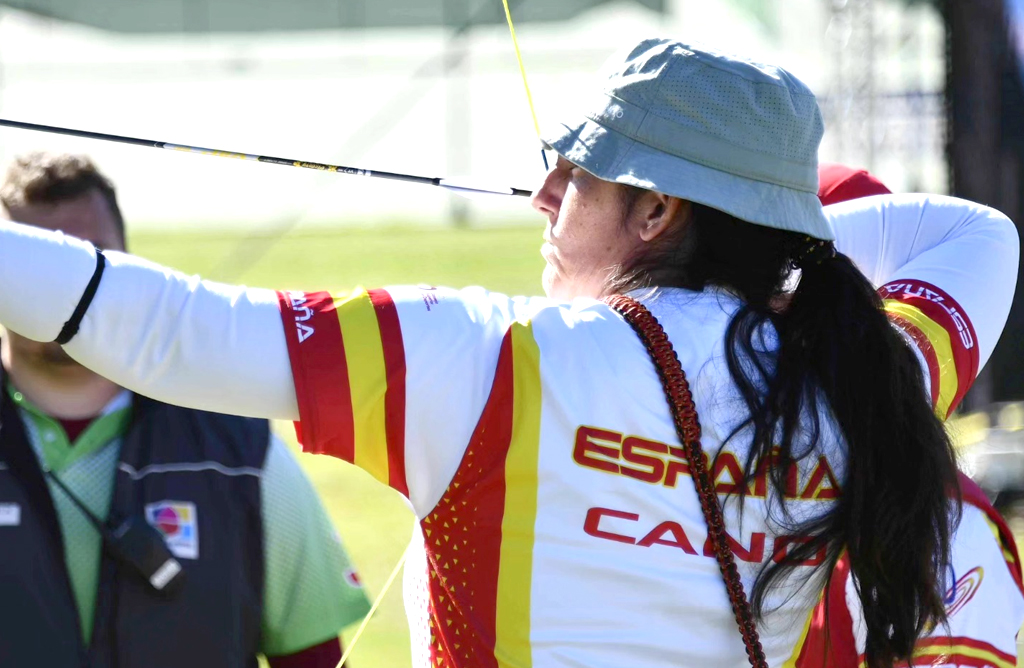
pixel 1008 555
pixel 938 336
pixel 798 647
pixel 512 617
pixel 937 652
pixel 367 379
pixel 942 652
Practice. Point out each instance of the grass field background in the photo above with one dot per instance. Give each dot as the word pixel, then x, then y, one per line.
pixel 373 521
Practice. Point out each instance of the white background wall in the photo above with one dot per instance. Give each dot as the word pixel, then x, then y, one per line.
pixel 323 96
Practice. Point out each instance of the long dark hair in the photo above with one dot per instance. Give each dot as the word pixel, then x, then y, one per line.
pixel 838 356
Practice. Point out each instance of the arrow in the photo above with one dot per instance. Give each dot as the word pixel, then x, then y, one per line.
pixel 458 186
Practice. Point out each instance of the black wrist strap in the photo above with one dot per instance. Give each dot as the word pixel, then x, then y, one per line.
pixel 71 326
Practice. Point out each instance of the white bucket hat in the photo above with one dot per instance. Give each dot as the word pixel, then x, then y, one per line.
pixel 735 135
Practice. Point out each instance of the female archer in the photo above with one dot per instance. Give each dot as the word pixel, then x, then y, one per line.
pixel 713 391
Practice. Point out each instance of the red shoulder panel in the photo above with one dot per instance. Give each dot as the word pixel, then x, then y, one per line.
pixel 975 496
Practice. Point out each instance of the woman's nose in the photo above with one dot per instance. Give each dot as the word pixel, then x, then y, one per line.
pixel 547 198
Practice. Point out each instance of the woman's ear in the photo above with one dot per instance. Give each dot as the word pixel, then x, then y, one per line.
pixel 661 212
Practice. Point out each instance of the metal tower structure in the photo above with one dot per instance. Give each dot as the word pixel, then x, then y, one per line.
pixel 883 103
pixel 851 99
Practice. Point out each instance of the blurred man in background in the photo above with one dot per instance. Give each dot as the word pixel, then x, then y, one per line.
pixel 86 468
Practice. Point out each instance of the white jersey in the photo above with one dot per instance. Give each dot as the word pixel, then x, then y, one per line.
pixel 560 524
pixel 554 496
pixel 538 450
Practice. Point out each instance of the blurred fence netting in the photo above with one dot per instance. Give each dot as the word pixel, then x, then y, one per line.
pixel 883 99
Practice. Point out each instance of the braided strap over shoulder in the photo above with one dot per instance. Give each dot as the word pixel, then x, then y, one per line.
pixel 684 415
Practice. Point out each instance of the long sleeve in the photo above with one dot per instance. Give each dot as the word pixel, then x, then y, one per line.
pixel 152 330
pixel 423 363
pixel 946 270
pixel 968 250
pixel 948 265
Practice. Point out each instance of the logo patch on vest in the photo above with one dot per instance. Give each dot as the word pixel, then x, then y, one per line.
pixel 176 520
pixel 10 514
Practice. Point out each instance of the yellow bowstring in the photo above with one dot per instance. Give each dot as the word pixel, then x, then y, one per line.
pixel 401 562
pixel 522 68
pixel 373 608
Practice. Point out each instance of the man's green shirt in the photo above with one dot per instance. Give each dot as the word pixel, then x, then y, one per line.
pixel 310 591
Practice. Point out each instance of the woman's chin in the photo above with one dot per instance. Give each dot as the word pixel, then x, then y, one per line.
pixel 557 287
pixel 549 281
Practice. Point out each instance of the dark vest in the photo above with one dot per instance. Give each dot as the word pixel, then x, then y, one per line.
pixel 171 459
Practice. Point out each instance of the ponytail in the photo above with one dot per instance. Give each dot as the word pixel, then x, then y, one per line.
pixel 893 514
pixel 838 357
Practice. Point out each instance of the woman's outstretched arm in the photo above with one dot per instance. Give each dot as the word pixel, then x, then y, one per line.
pixel 161 333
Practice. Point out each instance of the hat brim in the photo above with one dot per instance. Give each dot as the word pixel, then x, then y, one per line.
pixel 612 156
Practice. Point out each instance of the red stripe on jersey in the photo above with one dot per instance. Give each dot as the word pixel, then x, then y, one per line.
pixel 937 305
pixel 830 640
pixel 975 496
pixel 317 354
pixel 463 537
pixel 394 396
pixel 927 350
pixel 840 621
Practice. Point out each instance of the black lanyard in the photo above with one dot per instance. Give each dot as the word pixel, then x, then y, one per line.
pixel 135 544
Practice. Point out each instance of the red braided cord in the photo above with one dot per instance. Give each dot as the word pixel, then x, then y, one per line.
pixel 684 414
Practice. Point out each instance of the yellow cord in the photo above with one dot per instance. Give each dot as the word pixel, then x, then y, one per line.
pixel 401 562
pixel 522 69
pixel 373 608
